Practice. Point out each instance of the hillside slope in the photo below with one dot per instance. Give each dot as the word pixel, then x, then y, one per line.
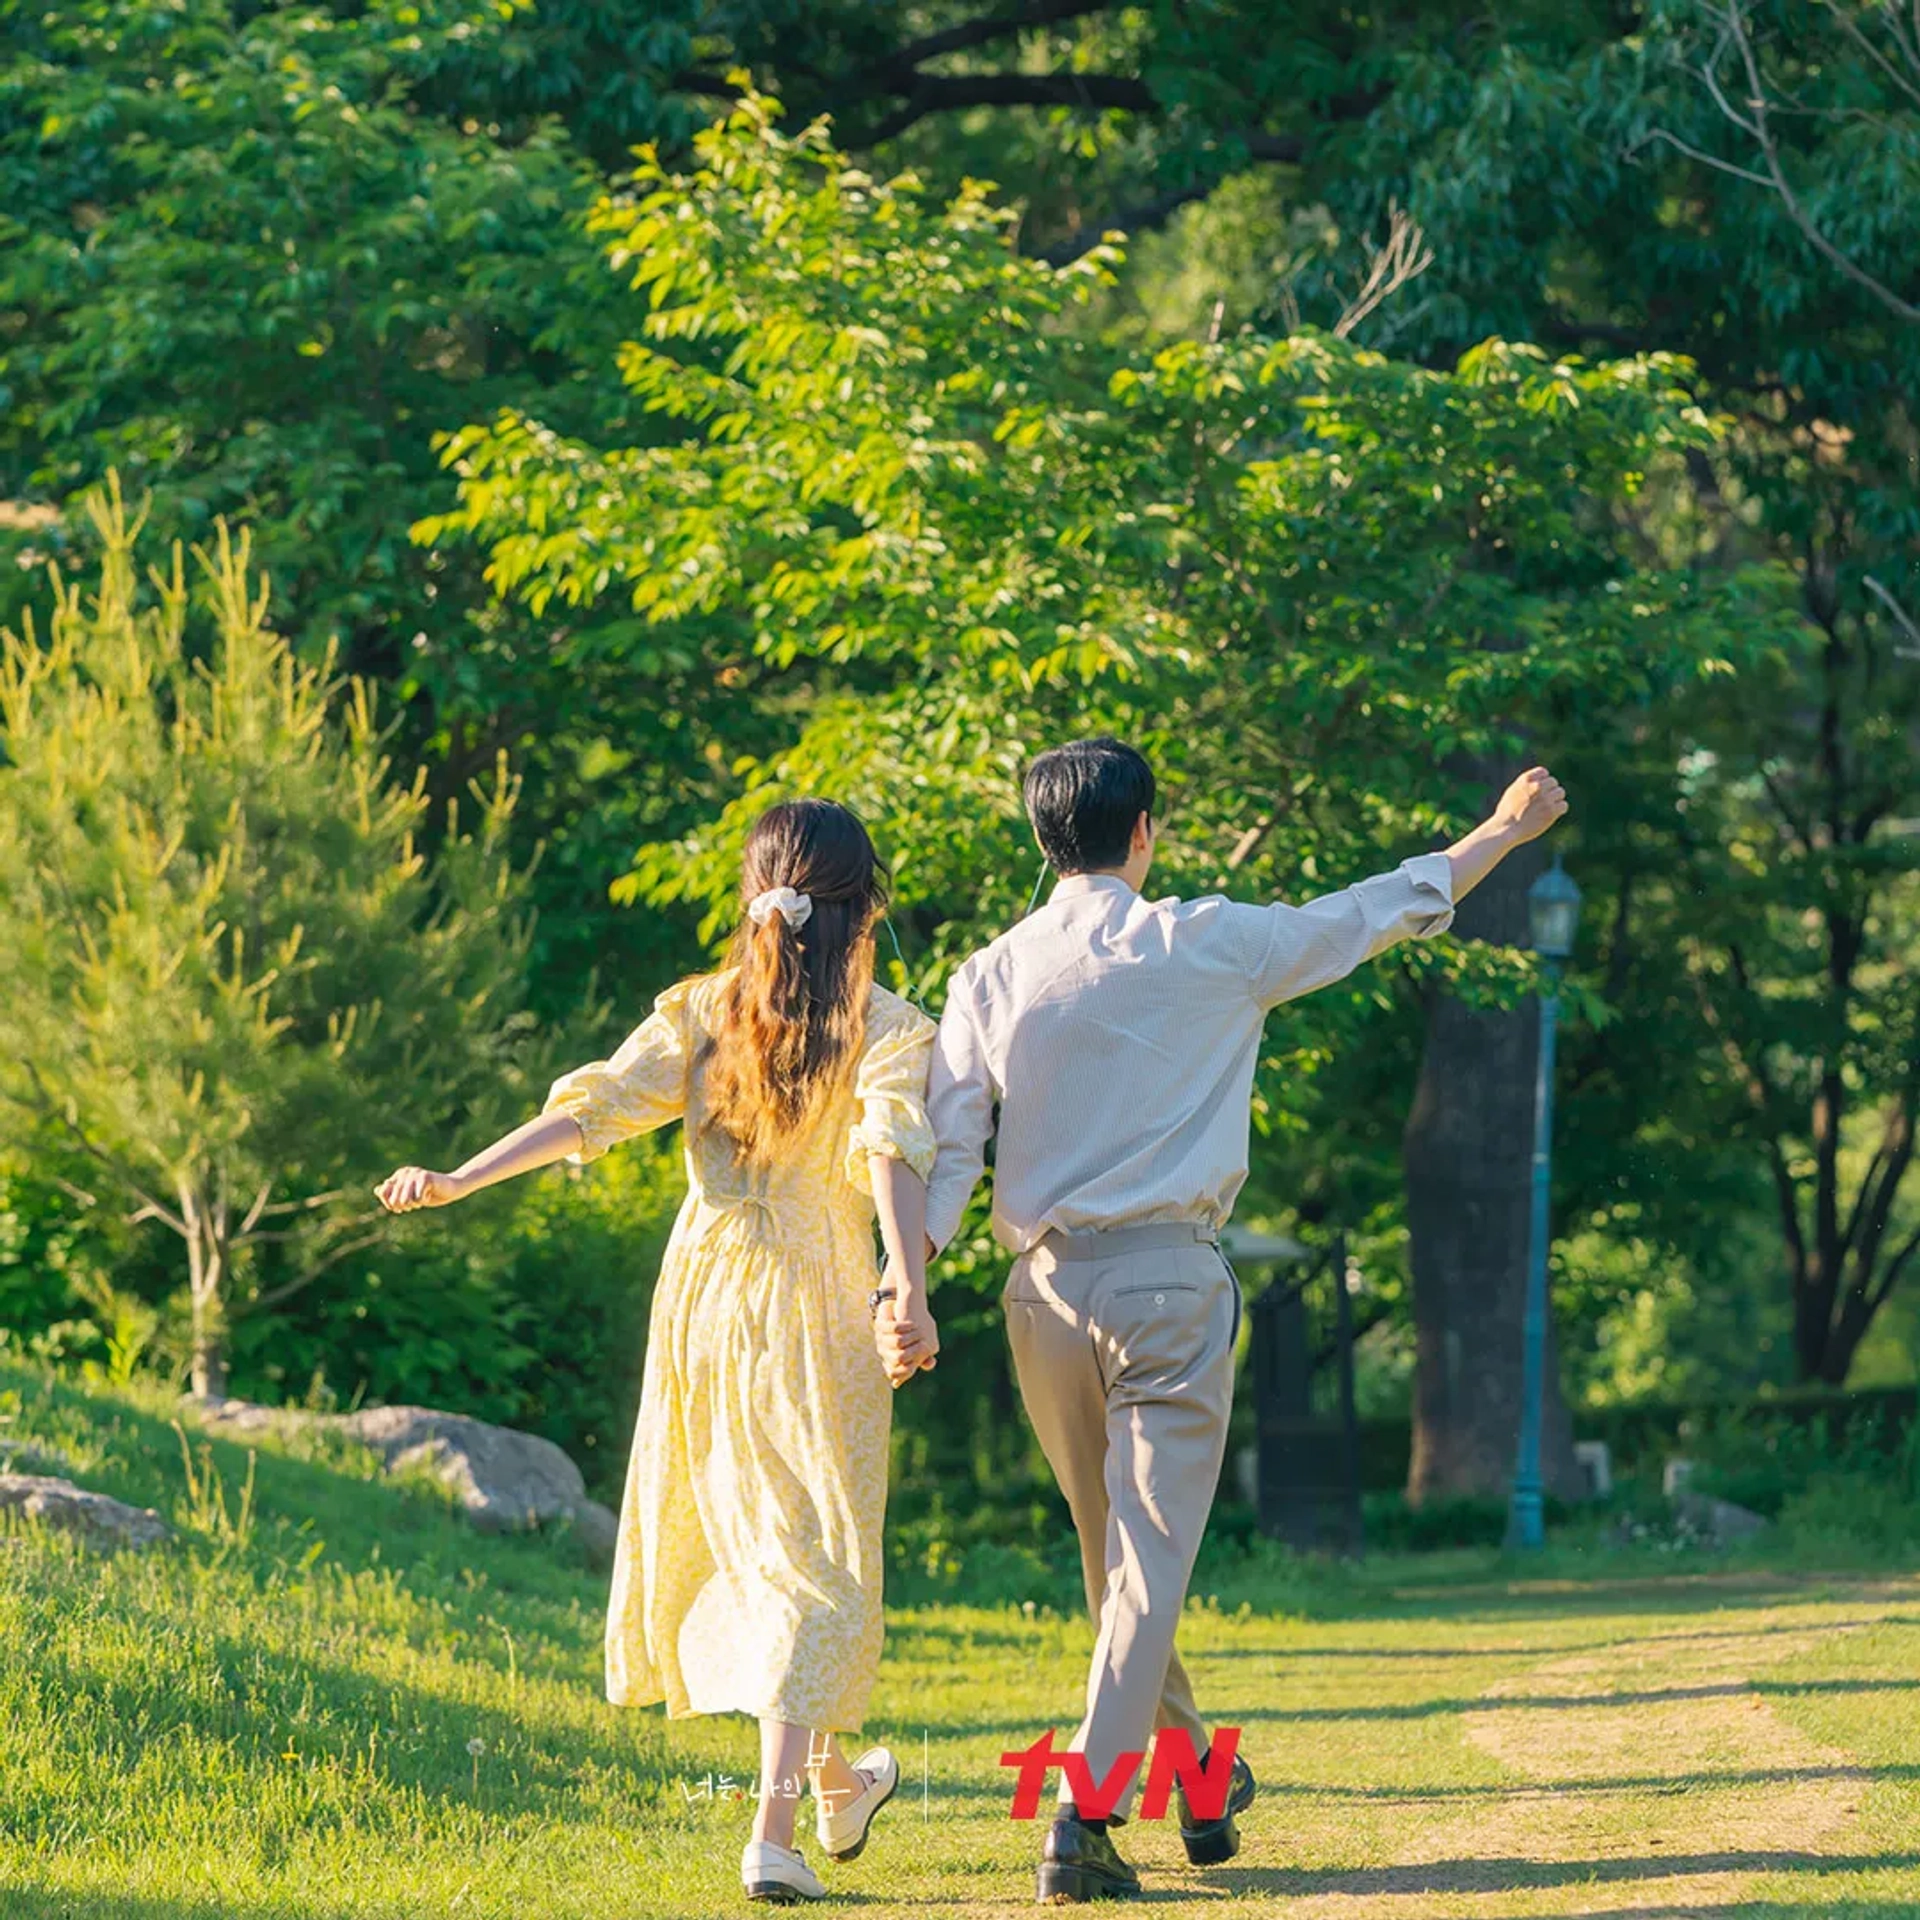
pixel 345 1705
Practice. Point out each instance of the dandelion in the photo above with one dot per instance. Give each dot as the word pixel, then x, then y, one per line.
pixel 476 1746
pixel 1027 1607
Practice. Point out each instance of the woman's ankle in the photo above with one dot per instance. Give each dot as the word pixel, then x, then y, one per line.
pixel 777 1814
pixel 771 1828
pixel 835 1784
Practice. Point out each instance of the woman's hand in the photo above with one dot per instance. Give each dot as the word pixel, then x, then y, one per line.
pixel 903 1329
pixel 410 1187
pixel 904 1333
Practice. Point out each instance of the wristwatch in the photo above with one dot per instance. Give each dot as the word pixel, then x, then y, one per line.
pixel 874 1299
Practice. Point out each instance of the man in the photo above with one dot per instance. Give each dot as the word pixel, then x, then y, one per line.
pixel 1117 1036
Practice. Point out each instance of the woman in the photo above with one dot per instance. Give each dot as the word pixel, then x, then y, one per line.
pixel 748 1571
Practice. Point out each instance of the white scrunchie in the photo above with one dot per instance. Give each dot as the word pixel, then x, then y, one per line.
pixel 798 907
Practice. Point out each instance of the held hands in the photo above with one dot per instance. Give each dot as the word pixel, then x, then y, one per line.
pixel 411 1187
pixel 904 1333
pixel 1530 805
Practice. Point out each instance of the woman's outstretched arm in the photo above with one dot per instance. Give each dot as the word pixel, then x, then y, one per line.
pixel 539 1143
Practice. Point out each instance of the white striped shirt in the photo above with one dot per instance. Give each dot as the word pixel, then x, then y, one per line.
pixel 1118 1036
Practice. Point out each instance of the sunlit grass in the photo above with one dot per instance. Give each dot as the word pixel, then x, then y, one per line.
pixel 357 1707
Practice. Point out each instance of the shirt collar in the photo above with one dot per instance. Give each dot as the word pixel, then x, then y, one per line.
pixel 1072 885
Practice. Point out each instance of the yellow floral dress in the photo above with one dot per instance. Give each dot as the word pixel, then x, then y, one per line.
pixel 747 1575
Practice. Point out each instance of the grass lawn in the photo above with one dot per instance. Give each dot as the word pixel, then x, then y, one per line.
pixel 279 1716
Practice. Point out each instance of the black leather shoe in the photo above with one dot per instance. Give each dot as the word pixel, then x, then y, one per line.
pixel 1209 1842
pixel 1080 1863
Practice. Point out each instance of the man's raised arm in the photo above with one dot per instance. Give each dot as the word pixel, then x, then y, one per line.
pixel 1530 805
pixel 1313 945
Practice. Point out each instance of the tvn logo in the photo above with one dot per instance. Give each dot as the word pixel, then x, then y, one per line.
pixel 1174 1761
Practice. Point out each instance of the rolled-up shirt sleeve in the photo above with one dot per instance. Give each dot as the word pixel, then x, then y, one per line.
pixel 960 1097
pixel 890 1098
pixel 1322 941
pixel 643 1086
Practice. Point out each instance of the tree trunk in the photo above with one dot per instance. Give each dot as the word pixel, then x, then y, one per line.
pixel 208 1371
pixel 1468 1149
pixel 206 1278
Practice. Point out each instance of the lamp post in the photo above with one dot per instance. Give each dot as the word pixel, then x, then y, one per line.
pixel 1553 910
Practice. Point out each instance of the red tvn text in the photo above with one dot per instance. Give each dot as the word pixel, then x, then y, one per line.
pixel 1173 1759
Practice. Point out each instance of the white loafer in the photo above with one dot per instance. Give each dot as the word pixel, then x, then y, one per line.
pixel 778 1874
pixel 843 1833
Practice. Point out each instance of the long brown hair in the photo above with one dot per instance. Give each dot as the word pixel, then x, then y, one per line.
pixel 792 1018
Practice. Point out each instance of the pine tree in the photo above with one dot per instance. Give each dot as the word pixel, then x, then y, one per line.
pixel 235 983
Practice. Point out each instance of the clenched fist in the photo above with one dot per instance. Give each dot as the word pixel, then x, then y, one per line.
pixel 1531 805
pixel 411 1187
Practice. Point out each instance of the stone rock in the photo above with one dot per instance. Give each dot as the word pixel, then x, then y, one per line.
pixel 1719 1522
pixel 505 1481
pixel 599 1530
pixel 100 1523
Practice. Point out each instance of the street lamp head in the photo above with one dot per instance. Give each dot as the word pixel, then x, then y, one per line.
pixel 1553 908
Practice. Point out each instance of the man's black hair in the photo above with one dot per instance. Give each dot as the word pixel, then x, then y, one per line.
pixel 1083 799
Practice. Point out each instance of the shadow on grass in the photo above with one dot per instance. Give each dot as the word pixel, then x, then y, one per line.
pixel 421 1736
pixel 1746 1910
pixel 1521 1597
pixel 1501 1593
pixel 1560 1702
pixel 1551 1650
pixel 1019 1729
pixel 337 1496
pixel 1508 1875
pixel 29 1903
pixel 1709 1781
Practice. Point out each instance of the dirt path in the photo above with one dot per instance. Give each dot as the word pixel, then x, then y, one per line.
pixel 1649 1775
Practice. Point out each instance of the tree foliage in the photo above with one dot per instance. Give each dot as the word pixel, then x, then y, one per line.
pixel 873 500
pixel 1301 573
pixel 1618 188
pixel 236 985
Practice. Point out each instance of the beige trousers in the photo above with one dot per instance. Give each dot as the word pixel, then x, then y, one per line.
pixel 1123 1347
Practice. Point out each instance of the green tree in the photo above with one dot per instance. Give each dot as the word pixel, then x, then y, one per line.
pixel 1735 183
pixel 1313 580
pixel 254 258
pixel 235 983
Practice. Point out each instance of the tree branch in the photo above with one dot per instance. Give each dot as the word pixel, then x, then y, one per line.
pixel 1795 826
pixel 49 1108
pixel 1900 618
pixel 274 1296
pixel 307 1205
pixel 1891 1273
pixel 1405 257
pixel 1763 1097
pixel 1758 128
pixel 1873 1204
pixel 949 93
pixel 1910 52
pixel 970 33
